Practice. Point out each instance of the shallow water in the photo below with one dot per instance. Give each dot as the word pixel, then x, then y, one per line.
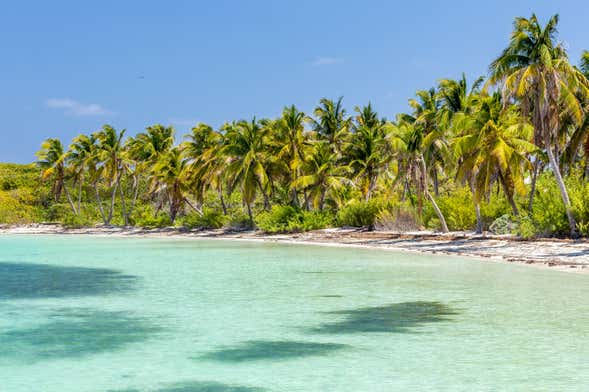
pixel 143 314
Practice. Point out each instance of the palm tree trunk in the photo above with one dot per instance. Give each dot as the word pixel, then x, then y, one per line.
pixel 69 199
pixel 534 179
pixel 508 194
pixel 477 210
pixel 563 191
pixel 99 202
pixel 113 197
pixel 80 182
pixel 135 195
pixel 438 211
pixel 436 185
pixel 124 206
pixel 249 213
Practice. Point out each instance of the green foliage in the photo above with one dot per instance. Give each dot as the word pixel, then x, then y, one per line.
pixel 359 213
pixel 548 211
pixel 400 217
pixel 526 227
pixel 210 219
pixel 503 225
pixel 286 219
pixel 145 217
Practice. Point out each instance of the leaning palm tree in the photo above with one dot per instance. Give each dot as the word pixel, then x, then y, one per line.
pixel 247 161
pixel 408 142
pixel 52 161
pixel 535 72
pixel 493 146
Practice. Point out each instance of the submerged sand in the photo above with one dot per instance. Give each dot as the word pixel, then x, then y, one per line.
pixel 563 255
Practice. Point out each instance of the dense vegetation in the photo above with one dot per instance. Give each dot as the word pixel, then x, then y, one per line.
pixel 509 152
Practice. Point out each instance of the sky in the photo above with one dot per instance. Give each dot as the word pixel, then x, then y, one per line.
pixel 68 67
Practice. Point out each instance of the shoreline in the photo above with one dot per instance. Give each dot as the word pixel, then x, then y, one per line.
pixel 553 254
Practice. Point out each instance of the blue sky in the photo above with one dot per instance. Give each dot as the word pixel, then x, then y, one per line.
pixel 68 67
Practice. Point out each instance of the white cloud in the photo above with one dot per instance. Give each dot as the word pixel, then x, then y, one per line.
pixel 327 61
pixel 75 108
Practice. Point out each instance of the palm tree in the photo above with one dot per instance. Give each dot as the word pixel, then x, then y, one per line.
pixel 456 97
pixel 493 146
pixel 170 176
pixel 534 71
pixel 247 161
pixel 289 142
pixel 203 150
pixel 409 142
pixel 80 157
pixel 426 113
pixel 109 153
pixel 368 149
pixel 142 152
pixel 52 161
pixel 332 123
pixel 323 177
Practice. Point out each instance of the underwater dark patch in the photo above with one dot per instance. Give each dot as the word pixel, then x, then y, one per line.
pixel 30 281
pixel 76 333
pixel 394 318
pixel 256 350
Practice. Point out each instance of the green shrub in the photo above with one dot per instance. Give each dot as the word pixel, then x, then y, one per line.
pixel 238 220
pixel 526 227
pixel 277 219
pixel 401 218
pixel 210 219
pixel 359 213
pixel 548 211
pixel 144 216
pixel 286 219
pixel 503 225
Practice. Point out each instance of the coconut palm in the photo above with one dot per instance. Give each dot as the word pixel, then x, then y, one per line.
pixel 324 177
pixel 52 161
pixel 247 161
pixel 368 149
pixel 493 147
pixel 408 141
pixel 289 145
pixel 111 163
pixel 81 157
pixel 171 177
pixel 203 150
pixel 534 71
pixel 331 123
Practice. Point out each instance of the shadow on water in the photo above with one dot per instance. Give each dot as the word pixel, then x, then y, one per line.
pixel 29 281
pixel 256 350
pixel 201 386
pixel 395 318
pixel 76 333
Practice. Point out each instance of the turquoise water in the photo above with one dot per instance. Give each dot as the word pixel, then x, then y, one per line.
pixel 129 314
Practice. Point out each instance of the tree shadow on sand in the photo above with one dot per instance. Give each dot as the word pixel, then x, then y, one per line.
pixel 256 350
pixel 394 318
pixel 31 281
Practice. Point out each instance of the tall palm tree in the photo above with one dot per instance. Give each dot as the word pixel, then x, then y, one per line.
pixel 368 149
pixel 171 177
pixel 80 157
pixel 425 118
pixel 456 97
pixel 109 153
pixel 409 142
pixel 247 161
pixel 331 123
pixel 52 161
pixel 290 144
pixel 534 71
pixel 142 152
pixel 323 177
pixel 203 150
pixel 493 145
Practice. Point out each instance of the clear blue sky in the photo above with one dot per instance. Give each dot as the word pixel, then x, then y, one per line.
pixel 68 67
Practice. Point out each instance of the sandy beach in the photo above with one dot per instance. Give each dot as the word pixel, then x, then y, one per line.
pixel 556 254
